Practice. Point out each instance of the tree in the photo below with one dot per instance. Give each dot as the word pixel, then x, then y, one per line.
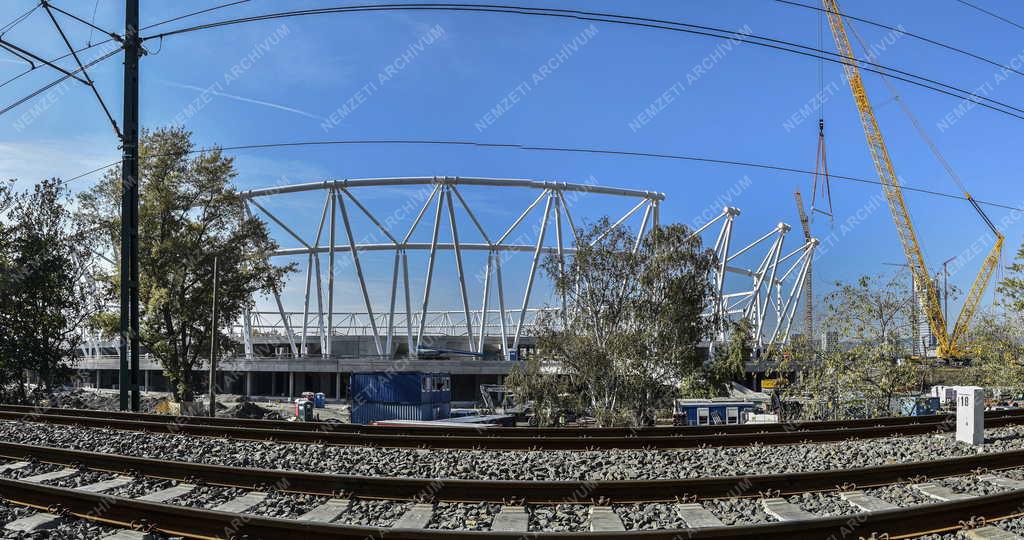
pixel 995 344
pixel 189 214
pixel 631 323
pixel 1012 286
pixel 46 289
pixel 865 374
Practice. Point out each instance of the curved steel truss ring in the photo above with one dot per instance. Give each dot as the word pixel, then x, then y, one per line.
pixel 440 206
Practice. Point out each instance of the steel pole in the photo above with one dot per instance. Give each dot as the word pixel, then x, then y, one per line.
pixel 213 347
pixel 128 375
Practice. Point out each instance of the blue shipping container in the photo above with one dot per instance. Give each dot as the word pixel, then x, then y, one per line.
pixel 406 387
pixel 369 412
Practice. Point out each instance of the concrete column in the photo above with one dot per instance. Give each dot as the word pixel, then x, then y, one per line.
pixel 145 379
pixel 291 384
pixel 337 385
pixel 249 376
pixel 97 378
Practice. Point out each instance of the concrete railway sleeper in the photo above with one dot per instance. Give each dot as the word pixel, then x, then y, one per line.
pixel 983 502
pixel 502 432
pixel 483 441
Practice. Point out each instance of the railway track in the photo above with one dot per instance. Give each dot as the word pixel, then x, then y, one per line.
pixel 500 439
pixel 502 431
pixel 696 501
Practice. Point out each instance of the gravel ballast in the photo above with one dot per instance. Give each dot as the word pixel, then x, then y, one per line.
pixel 373 513
pixel 559 518
pixel 498 465
pixel 738 511
pixel 901 495
pixel 287 505
pixel 208 496
pixel 823 504
pixel 463 516
pixel 649 516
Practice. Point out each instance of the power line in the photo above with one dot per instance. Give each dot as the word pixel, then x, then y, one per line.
pixel 91 45
pixel 17 20
pixel 991 14
pixel 91 26
pixel 85 72
pixel 660 24
pixel 194 13
pixel 906 33
pixel 95 7
pixel 514 146
pixel 56 82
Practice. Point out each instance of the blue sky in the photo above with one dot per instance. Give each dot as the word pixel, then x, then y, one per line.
pixel 328 77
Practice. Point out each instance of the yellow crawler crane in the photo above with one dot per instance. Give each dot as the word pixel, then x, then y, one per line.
pixel 948 343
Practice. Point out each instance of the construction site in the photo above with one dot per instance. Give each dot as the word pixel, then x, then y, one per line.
pixel 424 271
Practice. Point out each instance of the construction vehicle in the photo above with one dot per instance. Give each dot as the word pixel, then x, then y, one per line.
pixel 497 399
pixel 948 342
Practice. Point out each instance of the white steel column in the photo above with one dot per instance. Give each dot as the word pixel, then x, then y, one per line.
pixel 458 268
pixel 533 272
pixel 314 254
pixel 561 249
pixel 483 311
pixel 391 309
pixel 501 304
pixel 408 304
pixel 287 324
pixel 359 273
pixel 330 277
pixel 430 267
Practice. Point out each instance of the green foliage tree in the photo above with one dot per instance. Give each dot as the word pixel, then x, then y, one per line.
pixel 995 344
pixel 865 374
pixel 632 321
pixel 1011 288
pixel 190 213
pixel 46 289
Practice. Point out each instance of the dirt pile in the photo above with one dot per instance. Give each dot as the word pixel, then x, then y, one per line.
pixel 250 410
pixel 88 399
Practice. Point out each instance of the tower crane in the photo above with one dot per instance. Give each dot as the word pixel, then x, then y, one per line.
pixel 808 296
pixel 948 342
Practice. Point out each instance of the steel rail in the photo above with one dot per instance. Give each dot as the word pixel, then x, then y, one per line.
pixel 484 442
pixel 502 491
pixel 501 443
pixel 200 523
pixel 479 431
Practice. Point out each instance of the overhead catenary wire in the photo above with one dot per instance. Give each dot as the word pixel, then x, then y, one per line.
pixel 92 21
pixel 90 45
pixel 913 120
pixel 55 83
pixel 646 22
pixel 85 73
pixel 992 14
pixel 537 148
pixel 92 26
pixel 661 24
pixel 909 34
pixel 18 20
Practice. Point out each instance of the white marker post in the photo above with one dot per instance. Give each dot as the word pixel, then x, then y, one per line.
pixel 970 415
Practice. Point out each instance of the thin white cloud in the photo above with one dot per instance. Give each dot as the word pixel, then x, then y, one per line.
pixel 246 100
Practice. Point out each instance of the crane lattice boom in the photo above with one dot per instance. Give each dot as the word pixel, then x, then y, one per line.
pixel 948 346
